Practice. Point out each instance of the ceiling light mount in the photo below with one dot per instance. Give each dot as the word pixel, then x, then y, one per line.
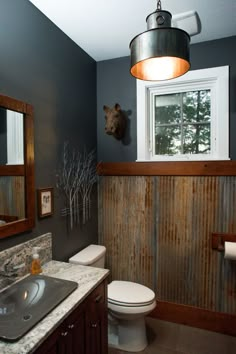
pixel 162 52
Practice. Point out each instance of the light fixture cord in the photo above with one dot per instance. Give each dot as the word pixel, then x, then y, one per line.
pixel 159 5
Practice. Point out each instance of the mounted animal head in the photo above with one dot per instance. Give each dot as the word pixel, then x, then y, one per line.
pixel 115 121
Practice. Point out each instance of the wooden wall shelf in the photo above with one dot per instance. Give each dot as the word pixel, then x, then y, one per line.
pixel 186 168
pixel 218 240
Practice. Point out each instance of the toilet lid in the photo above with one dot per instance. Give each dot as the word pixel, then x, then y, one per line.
pixel 127 293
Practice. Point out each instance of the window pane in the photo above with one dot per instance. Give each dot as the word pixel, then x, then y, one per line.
pixel 197 106
pixel 168 109
pixel 196 139
pixel 167 140
pixel 182 123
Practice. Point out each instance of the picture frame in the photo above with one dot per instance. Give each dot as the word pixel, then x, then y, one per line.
pixel 45 202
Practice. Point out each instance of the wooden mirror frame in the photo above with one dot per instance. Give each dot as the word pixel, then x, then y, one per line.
pixel 26 170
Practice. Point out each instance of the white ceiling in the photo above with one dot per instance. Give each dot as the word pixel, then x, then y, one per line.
pixel 105 28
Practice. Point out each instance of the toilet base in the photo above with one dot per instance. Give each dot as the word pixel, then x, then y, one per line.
pixel 127 335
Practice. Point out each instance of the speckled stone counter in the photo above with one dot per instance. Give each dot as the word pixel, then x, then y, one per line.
pixel 87 278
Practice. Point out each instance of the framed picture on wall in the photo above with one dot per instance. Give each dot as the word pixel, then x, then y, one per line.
pixel 45 202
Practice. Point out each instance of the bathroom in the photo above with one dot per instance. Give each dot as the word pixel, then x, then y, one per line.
pixel 39 65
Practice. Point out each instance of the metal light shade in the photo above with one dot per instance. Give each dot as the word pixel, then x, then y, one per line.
pixel 160 53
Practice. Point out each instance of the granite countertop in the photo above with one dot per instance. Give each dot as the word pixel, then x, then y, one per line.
pixel 87 278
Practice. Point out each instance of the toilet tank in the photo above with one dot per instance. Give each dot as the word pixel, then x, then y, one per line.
pixel 93 255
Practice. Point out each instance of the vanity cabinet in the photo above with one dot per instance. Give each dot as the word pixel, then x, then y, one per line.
pixel 96 318
pixel 84 331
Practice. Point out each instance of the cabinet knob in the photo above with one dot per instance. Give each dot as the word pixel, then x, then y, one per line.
pixel 64 334
pixel 71 326
pixel 98 298
pixel 94 324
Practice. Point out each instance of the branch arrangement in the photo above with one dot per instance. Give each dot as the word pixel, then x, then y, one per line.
pixel 75 179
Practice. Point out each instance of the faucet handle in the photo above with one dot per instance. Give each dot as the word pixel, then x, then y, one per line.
pixel 12 269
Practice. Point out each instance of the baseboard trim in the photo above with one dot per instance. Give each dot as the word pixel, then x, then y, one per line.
pixel 195 317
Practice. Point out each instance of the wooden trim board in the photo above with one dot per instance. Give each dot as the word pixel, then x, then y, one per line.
pixel 195 317
pixel 186 168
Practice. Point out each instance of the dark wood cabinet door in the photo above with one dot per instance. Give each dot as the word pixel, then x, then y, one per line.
pixel 75 324
pixel 96 321
pixel 52 344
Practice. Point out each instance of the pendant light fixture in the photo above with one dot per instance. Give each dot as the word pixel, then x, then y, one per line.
pixel 162 52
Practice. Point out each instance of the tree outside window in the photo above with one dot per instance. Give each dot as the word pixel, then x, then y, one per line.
pixel 182 123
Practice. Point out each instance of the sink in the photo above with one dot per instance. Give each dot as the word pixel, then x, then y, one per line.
pixel 5 282
pixel 26 302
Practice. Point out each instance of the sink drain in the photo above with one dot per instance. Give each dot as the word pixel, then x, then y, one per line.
pixel 27 317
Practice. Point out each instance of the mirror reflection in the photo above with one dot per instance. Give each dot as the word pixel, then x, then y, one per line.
pixel 17 192
pixel 11 137
pixel 12 205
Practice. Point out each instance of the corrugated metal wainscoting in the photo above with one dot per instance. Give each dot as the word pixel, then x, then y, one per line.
pixel 157 231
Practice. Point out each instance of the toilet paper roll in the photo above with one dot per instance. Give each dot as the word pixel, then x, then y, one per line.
pixel 230 250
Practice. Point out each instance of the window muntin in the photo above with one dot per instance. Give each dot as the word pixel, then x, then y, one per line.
pixel 182 123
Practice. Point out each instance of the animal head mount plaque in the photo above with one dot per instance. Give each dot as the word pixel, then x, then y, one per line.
pixel 115 121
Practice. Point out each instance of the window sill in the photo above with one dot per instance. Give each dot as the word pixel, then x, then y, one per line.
pixel 182 159
pixel 183 168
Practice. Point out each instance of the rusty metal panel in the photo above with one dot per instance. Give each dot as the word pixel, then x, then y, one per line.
pixel 126 227
pixel 184 256
pixel 157 231
pixel 12 196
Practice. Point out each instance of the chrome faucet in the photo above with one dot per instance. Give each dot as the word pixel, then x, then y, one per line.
pixel 11 270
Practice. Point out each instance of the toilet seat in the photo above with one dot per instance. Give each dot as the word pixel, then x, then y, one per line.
pixel 129 294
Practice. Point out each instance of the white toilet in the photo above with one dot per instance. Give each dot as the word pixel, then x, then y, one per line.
pixel 128 304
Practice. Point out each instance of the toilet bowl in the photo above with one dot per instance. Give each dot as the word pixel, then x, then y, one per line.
pixel 128 304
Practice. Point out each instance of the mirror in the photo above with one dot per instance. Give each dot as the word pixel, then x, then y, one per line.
pixel 17 202
pixel 11 137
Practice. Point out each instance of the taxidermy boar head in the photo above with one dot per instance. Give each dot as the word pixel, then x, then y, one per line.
pixel 115 121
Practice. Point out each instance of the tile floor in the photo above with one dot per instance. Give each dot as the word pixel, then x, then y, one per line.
pixel 170 338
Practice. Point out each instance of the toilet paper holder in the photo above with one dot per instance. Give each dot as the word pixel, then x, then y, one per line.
pixel 219 239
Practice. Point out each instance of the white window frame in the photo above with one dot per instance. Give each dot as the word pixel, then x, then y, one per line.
pixel 217 80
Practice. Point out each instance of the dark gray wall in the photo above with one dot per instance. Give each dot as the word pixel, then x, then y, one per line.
pixel 115 84
pixel 39 64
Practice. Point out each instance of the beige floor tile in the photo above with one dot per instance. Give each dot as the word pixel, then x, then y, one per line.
pixel 198 341
pixel 170 338
pixel 158 349
pixel 165 334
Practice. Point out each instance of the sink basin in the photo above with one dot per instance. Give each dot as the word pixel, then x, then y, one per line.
pixel 4 282
pixel 26 302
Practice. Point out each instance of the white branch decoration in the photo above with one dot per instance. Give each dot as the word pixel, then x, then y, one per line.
pixel 75 179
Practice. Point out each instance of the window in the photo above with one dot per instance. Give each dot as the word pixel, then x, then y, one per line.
pixel 184 119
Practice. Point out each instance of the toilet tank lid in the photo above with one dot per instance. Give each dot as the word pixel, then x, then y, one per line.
pixel 88 255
